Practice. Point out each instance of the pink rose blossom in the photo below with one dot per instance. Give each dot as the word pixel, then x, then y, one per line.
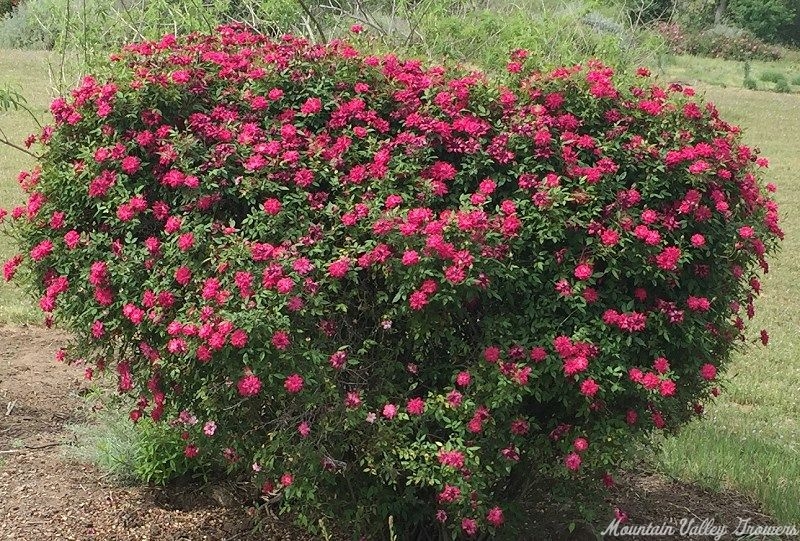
pixel 389 411
pixel 572 461
pixel 708 371
pixel 293 383
pixel 495 517
pixel 415 406
pixel 249 385
pixel 583 272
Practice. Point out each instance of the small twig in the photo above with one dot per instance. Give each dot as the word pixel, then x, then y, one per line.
pixel 45 446
pixel 314 20
pixel 104 476
pixel 129 23
pixel 206 20
pixel 309 30
pixel 365 19
pixel 10 407
pixel 413 27
pixel 31 448
pixel 4 140
pixel 18 103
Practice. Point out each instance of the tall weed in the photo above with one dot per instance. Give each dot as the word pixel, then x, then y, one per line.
pixel 479 32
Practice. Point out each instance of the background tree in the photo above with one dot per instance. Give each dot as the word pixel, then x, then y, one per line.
pixel 764 18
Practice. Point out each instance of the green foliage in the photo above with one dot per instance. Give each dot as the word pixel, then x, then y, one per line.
pixel 11 99
pixel 750 84
pixel 695 15
pixel 796 80
pixel 772 76
pixel 782 86
pixel 158 456
pixel 564 32
pixel 31 25
pixel 93 27
pixel 107 438
pixel 128 453
pixel 299 261
pixel 772 21
pixel 764 18
pixel 486 37
pixel 790 33
pixel 6 6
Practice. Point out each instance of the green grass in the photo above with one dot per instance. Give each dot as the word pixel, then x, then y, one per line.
pixel 730 74
pixel 750 438
pixel 107 438
pixel 772 76
pixel 25 72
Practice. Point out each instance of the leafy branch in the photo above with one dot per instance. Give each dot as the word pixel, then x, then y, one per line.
pixel 11 100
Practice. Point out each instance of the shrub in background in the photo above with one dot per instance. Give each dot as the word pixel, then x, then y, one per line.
pixel 749 83
pixel 675 37
pixel 732 43
pixel 781 81
pixel 21 26
pixel 764 18
pixel 782 86
pixel 383 288
pixel 771 76
pixel 719 41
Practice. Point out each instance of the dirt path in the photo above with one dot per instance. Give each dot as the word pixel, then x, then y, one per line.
pixel 45 496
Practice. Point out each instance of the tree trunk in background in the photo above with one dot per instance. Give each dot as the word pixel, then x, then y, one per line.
pixel 719 12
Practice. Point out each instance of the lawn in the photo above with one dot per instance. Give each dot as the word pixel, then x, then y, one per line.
pixel 750 438
pixel 730 73
pixel 27 73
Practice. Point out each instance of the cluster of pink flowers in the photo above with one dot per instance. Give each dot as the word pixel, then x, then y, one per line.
pixel 628 321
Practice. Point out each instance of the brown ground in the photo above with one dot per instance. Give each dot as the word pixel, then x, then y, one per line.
pixel 44 495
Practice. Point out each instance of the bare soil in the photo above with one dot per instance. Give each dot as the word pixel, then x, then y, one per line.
pixel 45 495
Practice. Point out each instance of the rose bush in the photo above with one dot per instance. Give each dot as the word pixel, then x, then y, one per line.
pixel 725 42
pixel 383 288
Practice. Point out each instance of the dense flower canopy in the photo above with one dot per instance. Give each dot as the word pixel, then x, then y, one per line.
pixel 387 288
